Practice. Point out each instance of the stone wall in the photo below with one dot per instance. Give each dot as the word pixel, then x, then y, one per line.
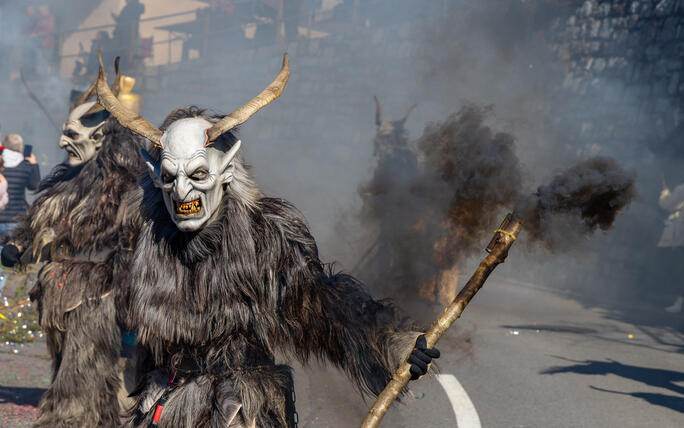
pixel 636 48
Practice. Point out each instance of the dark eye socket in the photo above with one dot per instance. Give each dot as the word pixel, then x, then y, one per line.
pixel 200 174
pixel 71 134
pixel 167 178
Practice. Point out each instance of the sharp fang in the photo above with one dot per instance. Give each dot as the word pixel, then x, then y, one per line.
pixel 188 208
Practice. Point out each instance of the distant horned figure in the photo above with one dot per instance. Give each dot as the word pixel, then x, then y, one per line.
pixel 408 248
pixel 391 145
pixel 396 162
pixel 396 168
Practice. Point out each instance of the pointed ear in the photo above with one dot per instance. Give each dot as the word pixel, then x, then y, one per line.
pixel 153 168
pixel 226 169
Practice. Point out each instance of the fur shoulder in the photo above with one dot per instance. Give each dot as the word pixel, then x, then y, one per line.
pixel 287 220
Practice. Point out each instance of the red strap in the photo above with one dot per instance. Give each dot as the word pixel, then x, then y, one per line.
pixel 162 399
pixel 157 414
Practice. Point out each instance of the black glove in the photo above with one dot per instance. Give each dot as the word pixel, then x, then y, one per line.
pixel 421 357
pixel 10 255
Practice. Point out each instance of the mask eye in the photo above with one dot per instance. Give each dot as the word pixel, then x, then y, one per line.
pixel 200 174
pixel 70 134
pixel 167 178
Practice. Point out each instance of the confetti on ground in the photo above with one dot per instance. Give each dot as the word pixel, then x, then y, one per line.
pixel 25 369
pixel 18 317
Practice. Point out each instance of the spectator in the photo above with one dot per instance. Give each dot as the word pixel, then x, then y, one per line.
pixel 672 201
pixel 127 31
pixel 3 203
pixel 88 64
pixel 28 51
pixel 44 33
pixel 21 174
pixel 102 43
pixel 4 199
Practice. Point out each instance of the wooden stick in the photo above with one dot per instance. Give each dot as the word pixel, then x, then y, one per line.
pixel 498 250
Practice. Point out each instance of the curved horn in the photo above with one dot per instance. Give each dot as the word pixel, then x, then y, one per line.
pixel 84 97
pixel 241 115
pixel 408 112
pixel 378 111
pixel 126 117
pixel 92 91
pixel 116 88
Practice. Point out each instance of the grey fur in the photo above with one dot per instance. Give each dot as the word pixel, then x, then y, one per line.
pixel 224 300
pixel 84 345
pixel 75 217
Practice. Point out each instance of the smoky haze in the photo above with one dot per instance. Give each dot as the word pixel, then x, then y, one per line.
pixel 489 63
pixel 433 216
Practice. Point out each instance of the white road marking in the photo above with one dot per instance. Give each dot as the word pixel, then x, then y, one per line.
pixel 466 415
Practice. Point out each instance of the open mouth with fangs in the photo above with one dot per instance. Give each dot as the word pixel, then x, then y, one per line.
pixel 72 154
pixel 188 209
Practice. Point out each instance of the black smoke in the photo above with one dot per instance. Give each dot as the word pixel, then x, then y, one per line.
pixel 578 201
pixel 468 177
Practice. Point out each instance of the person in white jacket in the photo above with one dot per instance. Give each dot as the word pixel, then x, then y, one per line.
pixel 673 234
pixel 4 199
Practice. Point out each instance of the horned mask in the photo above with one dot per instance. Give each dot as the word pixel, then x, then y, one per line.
pixel 390 128
pixel 195 164
pixel 82 133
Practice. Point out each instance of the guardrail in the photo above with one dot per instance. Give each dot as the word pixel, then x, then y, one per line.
pixel 315 19
pixel 62 36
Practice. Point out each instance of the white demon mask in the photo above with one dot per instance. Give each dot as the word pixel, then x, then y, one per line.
pixel 191 174
pixel 195 165
pixel 82 134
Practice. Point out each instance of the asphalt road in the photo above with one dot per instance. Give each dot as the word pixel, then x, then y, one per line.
pixel 526 357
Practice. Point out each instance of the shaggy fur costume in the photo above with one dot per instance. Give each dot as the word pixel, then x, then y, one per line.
pixel 78 317
pixel 77 209
pixel 218 304
pixel 74 224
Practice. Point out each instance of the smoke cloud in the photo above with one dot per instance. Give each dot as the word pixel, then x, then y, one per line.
pixel 432 217
pixel 578 201
pixel 431 221
pixel 314 145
